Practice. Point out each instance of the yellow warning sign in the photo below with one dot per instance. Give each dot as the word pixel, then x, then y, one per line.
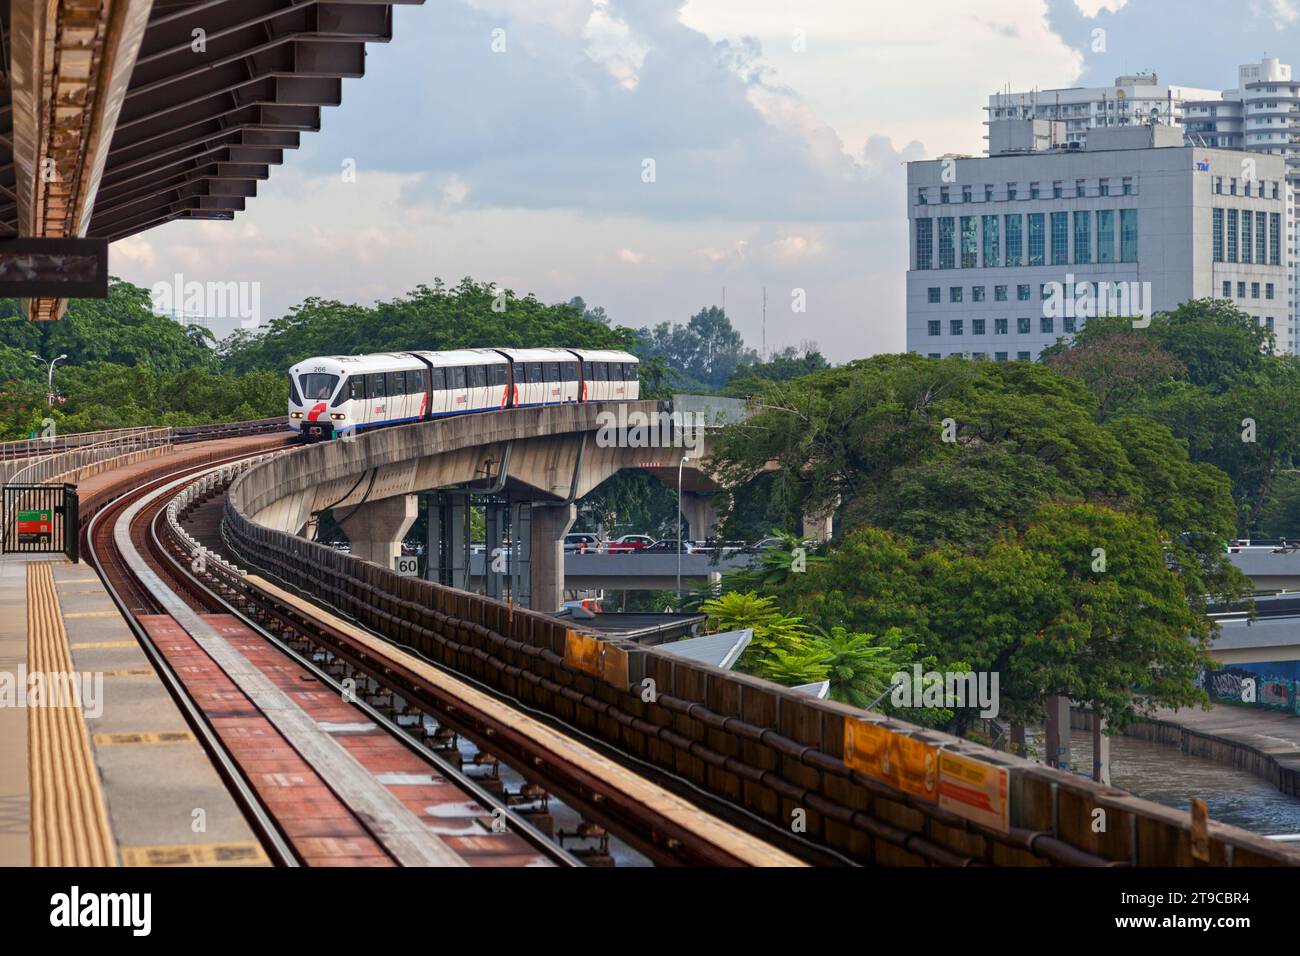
pixel 203 854
pixel 867 749
pixel 583 652
pixel 145 737
pixel 918 771
pixel 975 790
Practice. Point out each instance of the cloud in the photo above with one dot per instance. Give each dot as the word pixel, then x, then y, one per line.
pixel 630 257
pixel 1090 8
pixel 1282 13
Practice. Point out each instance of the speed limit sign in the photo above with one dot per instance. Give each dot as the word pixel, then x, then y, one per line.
pixel 407 565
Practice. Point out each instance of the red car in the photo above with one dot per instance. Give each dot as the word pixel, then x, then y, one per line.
pixel 629 543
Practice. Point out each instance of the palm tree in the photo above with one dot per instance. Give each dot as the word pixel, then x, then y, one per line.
pixel 773 629
pixel 795 667
pixel 860 667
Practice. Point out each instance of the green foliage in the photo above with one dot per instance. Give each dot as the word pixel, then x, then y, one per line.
pixel 773 630
pixel 860 666
pixel 700 355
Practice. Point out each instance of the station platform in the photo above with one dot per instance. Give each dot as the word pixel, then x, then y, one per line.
pixel 98 767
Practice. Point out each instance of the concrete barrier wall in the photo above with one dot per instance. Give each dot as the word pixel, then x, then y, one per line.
pixel 781 755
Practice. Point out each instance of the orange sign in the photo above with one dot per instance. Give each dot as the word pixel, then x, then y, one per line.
pixel 977 791
pixel 867 749
pixel 582 652
pixel 918 771
pixel 615 670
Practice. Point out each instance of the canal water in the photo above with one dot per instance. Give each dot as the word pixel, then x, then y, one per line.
pixel 1166 775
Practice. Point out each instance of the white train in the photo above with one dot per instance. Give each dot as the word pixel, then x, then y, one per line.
pixel 337 394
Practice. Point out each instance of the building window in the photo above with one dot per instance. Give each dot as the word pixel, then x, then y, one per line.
pixel 999 293
pixel 1011 190
pixel 1275 238
pixel 1227 289
pixel 933 293
pixel 1232 187
pixel 943 195
pixel 920 197
pixel 1241 290
pixel 1126 185
pixel 1261 253
pixel 947 258
pixel 1058 189
pixel 1045 323
pixel 1268 290
pixel 933 326
pixel 1036 239
pixel 1015 249
pixel 1022 356
pixel 1060 238
pixel 1105 235
pixel 966 194
pixel 1268 323
pixel 1082 236
pixel 976 326
pixel 1218 235
pixel 977 293
pixel 1042 290
pixel 990 227
pixel 969 242
pixel 1247 231
pixel 1254 290
pixel 1067 325
pixel 1034 190
pixel 954 293
pixel 999 326
pixel 1232 235
pixel 988 193
pixel 1275 192
pixel 1103 187
pixel 1022 293
pixel 1022 326
pixel 1218 185
pixel 924 243
pixel 934 355
pixel 1128 235
pixel 1000 356
pixel 1080 188
pixel 954 326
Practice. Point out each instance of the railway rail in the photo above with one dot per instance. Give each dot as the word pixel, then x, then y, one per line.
pixel 178 595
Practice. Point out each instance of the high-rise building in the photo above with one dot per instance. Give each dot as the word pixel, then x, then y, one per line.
pixel 1010 252
pixel 1261 114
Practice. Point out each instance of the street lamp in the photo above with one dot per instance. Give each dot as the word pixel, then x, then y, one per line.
pixel 49 379
pixel 685 459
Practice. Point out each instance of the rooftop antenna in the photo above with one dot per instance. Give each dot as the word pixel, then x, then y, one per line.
pixel 764 356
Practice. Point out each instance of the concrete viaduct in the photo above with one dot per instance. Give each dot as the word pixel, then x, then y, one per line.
pixel 529 466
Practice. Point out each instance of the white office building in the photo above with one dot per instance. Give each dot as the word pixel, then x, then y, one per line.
pixel 1009 253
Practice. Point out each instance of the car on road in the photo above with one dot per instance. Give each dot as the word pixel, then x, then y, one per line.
pixel 668 546
pixel 581 542
pixel 629 543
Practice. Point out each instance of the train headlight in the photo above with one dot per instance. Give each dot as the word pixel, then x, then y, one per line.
pixel 295 414
pixel 337 417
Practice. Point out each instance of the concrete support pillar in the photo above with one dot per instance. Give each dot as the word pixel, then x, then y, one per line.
pixel 550 523
pixel 1056 745
pixel 447 544
pixel 700 512
pixel 494 562
pixel 818 527
pixel 1100 751
pixel 376 528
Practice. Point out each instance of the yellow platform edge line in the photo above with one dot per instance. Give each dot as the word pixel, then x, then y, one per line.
pixel 69 817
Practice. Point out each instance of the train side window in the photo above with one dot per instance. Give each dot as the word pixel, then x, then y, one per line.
pixel 415 380
pixel 602 371
pixel 358 383
pixel 552 371
pixel 587 372
pixel 439 379
pixel 375 385
pixel 521 373
pixel 345 393
pixel 570 370
pixel 478 376
pixel 629 372
pixel 458 377
pixel 396 383
pixel 535 372
pixel 499 375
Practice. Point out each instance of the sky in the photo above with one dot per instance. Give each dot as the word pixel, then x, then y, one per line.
pixel 654 156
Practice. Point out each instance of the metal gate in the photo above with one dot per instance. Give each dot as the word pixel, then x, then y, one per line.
pixel 41 519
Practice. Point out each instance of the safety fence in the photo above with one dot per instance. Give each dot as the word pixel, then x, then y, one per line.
pixel 872 789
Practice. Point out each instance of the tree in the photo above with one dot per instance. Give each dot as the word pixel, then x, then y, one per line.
pixel 702 354
pixel 1115 367
pixel 773 630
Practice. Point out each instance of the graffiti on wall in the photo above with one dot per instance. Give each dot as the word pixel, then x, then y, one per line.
pixel 1271 684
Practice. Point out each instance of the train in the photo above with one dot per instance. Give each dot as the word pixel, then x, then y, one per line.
pixel 339 395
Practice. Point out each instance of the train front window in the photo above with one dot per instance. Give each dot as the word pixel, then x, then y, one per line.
pixel 318 386
pixel 344 394
pixel 293 392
